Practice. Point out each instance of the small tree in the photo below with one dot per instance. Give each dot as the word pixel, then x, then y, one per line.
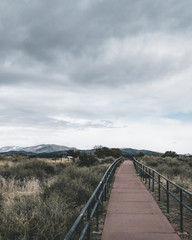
pixel 170 154
pixel 73 153
pixel 140 154
pixel 116 152
pixel 87 160
pixel 106 152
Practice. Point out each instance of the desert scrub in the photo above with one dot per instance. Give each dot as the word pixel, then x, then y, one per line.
pixel 32 218
pixel 28 169
pixel 76 184
pixel 179 171
pixel 40 201
pixel 176 169
pixel 108 160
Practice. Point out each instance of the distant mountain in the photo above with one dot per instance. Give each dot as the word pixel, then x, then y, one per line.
pixel 51 149
pixel 43 148
pixel 10 148
pixel 126 152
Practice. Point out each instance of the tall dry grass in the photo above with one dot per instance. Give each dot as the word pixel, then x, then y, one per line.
pixel 40 200
pixel 179 170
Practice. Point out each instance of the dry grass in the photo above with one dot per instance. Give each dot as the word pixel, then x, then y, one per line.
pixel 13 189
pixel 56 161
pixel 6 163
pixel 41 198
pixel 179 170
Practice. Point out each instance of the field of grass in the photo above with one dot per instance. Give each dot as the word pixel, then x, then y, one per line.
pixel 179 170
pixel 40 198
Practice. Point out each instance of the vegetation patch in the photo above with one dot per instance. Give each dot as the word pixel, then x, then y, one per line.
pixel 41 199
pixel 179 170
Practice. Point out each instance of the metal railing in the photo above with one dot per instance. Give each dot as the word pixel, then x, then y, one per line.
pixel 151 176
pixel 91 207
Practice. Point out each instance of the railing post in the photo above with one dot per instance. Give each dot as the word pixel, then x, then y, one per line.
pixel 167 197
pixel 105 190
pixel 107 186
pixel 89 220
pixel 140 169
pixel 181 211
pixel 97 213
pixel 149 178
pixel 153 186
pixel 145 175
pixel 159 188
pixel 102 197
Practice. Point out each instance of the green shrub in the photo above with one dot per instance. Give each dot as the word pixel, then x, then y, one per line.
pixel 150 161
pixel 102 152
pixel 75 184
pixel 170 154
pixel 174 171
pixel 87 160
pixel 190 164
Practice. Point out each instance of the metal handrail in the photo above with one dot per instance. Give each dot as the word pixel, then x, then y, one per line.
pixel 149 173
pixel 92 204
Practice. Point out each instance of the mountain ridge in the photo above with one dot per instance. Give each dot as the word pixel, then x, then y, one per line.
pixel 41 148
pixel 53 148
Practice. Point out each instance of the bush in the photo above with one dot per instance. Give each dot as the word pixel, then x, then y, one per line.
pixel 173 168
pixel 87 160
pixel 150 161
pixel 107 160
pixel 170 154
pixel 102 152
pixel 31 218
pixel 28 170
pixel 190 164
pixel 75 185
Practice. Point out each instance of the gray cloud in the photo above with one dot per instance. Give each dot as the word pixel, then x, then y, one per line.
pixel 93 64
pixel 42 29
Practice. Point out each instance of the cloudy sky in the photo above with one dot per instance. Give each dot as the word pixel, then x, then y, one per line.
pixel 82 73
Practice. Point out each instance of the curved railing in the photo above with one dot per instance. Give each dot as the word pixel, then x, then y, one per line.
pixel 151 176
pixel 91 207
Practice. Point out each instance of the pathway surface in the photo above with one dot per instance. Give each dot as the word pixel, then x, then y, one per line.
pixel 132 212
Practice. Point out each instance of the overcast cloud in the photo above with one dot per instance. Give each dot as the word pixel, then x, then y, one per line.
pixel 106 72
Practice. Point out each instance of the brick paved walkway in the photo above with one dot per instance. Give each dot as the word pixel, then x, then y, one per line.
pixel 132 212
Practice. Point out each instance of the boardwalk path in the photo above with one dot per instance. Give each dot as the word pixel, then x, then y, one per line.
pixel 132 212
